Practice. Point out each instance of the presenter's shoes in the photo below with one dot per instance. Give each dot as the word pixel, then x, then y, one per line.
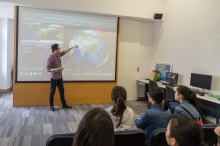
pixel 52 108
pixel 66 106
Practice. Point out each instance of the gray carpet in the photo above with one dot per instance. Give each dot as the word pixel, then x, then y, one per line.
pixel 31 126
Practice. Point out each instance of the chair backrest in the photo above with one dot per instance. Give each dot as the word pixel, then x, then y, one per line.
pixel 158 138
pixel 130 138
pixel 122 138
pixel 210 138
pixel 65 139
pixel 170 93
pixel 152 84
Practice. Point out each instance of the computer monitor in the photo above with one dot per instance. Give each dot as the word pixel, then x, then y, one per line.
pixel 172 78
pixel 201 81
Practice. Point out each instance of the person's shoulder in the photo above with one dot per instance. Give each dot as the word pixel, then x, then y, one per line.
pixel 130 109
pixel 188 104
pixel 109 109
pixel 177 110
pixel 178 107
pixel 148 112
pixel 50 57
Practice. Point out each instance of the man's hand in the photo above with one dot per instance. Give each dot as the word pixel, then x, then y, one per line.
pixel 60 68
pixel 74 47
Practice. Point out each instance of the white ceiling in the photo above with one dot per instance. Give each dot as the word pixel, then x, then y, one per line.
pixel 6 10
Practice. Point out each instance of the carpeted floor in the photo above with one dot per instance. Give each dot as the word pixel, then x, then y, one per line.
pixel 31 126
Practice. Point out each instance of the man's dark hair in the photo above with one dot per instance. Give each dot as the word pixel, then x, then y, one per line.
pixel 54 47
pixel 95 129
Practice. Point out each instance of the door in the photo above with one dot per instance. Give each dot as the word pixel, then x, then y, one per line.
pixel 129 56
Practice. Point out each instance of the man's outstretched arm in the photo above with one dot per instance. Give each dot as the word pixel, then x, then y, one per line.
pixel 73 47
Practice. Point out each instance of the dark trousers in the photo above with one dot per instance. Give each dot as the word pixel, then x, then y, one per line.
pixel 59 84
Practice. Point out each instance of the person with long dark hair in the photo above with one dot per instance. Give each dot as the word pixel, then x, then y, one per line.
pixel 184 131
pixel 122 116
pixel 95 129
pixel 189 103
pixel 156 116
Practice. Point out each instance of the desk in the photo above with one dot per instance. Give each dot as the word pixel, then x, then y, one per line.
pixel 146 82
pixel 209 106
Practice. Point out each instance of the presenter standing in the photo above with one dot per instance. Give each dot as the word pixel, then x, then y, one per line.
pixel 55 68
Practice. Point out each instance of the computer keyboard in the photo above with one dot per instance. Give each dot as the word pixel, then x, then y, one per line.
pixel 164 83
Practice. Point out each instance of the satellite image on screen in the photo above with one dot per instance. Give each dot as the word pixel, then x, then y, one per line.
pixel 40 31
pixel 92 52
pixel 93 60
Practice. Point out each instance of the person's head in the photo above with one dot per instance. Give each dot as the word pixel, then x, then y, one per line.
pixel 119 95
pixel 156 96
pixel 55 48
pixel 95 129
pixel 118 92
pixel 184 93
pixel 184 131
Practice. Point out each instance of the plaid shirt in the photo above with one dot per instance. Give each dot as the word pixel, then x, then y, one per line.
pixel 54 61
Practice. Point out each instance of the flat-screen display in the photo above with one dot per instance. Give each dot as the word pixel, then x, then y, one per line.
pixel 172 78
pixel 201 81
pixel 96 37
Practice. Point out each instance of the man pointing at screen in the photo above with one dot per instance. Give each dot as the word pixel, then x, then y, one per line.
pixel 55 68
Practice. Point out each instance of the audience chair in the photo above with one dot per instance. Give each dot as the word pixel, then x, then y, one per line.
pixel 65 139
pixel 122 138
pixel 210 137
pixel 158 138
pixel 171 99
pixel 130 138
pixel 151 84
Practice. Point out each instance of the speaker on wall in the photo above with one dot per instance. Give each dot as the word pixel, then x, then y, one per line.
pixel 158 16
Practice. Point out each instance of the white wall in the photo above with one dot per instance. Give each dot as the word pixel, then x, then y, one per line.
pixel 10 50
pixel 136 45
pixel 138 8
pixel 146 50
pixel 3 53
pixel 189 38
pixel 6 52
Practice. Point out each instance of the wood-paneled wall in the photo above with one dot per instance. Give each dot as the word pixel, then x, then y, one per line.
pixel 37 94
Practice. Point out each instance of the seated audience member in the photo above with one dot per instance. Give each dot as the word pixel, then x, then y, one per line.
pixel 95 129
pixel 122 116
pixel 184 131
pixel 189 101
pixel 217 132
pixel 156 116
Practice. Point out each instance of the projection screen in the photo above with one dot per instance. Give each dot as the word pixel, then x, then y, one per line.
pixel 95 35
